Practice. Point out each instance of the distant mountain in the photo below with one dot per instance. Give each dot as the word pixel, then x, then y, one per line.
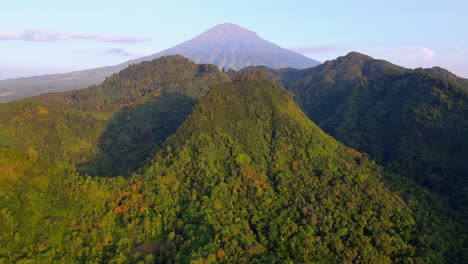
pixel 231 46
pixel 225 45
pixel 15 89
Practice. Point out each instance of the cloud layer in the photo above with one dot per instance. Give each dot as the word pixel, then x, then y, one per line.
pixel 125 53
pixel 410 56
pixel 51 36
pixel 314 49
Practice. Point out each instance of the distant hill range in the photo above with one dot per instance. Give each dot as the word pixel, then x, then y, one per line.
pixel 225 45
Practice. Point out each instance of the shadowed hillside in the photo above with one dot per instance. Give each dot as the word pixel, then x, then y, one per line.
pixel 76 127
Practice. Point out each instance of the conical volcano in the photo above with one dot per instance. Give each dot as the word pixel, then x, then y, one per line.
pixel 231 46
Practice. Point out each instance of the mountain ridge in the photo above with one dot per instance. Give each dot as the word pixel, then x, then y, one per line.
pixel 226 45
pixel 241 175
pixel 247 162
pixel 410 120
pixel 232 37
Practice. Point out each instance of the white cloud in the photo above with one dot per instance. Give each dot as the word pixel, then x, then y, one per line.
pixel 427 54
pixel 314 49
pixel 122 52
pixel 408 56
pixel 51 36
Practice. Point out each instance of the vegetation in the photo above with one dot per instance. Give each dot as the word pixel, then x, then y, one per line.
pixel 412 122
pixel 110 128
pixel 54 212
pixel 217 169
pixel 50 213
pixel 248 175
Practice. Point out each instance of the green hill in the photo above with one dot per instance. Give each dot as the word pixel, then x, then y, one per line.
pixel 217 169
pixel 413 122
pixel 249 178
pixel 112 128
pixel 52 212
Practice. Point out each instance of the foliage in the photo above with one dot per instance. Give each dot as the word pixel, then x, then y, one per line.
pixel 112 128
pixel 413 122
pixel 247 173
pixel 240 175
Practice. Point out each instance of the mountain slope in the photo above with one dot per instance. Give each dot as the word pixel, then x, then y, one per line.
pixel 15 89
pixel 50 211
pixel 225 45
pixel 248 178
pixel 111 128
pixel 413 121
pixel 230 46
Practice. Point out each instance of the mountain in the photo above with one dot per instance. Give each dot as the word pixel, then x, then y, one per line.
pixel 111 128
pixel 439 72
pixel 412 121
pixel 225 45
pixel 231 46
pixel 15 89
pixel 217 168
pixel 249 178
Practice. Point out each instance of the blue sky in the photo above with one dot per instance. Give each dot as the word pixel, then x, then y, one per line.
pixel 51 36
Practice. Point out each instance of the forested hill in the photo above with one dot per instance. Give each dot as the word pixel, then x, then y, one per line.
pixel 218 168
pixel 109 129
pixel 50 211
pixel 249 178
pixel 412 121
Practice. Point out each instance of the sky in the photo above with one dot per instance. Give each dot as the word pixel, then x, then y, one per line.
pixel 54 36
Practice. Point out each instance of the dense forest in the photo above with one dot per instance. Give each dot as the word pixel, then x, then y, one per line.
pixel 413 122
pixel 132 112
pixel 170 161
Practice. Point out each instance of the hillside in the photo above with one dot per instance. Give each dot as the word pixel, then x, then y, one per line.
pixel 411 121
pixel 240 175
pixel 111 128
pixel 230 46
pixel 15 89
pixel 225 45
pixel 248 178
pixel 252 130
pixel 51 211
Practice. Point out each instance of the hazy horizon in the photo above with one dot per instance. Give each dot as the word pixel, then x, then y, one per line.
pixel 56 37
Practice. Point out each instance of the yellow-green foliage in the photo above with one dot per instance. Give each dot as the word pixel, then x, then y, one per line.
pixel 242 176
